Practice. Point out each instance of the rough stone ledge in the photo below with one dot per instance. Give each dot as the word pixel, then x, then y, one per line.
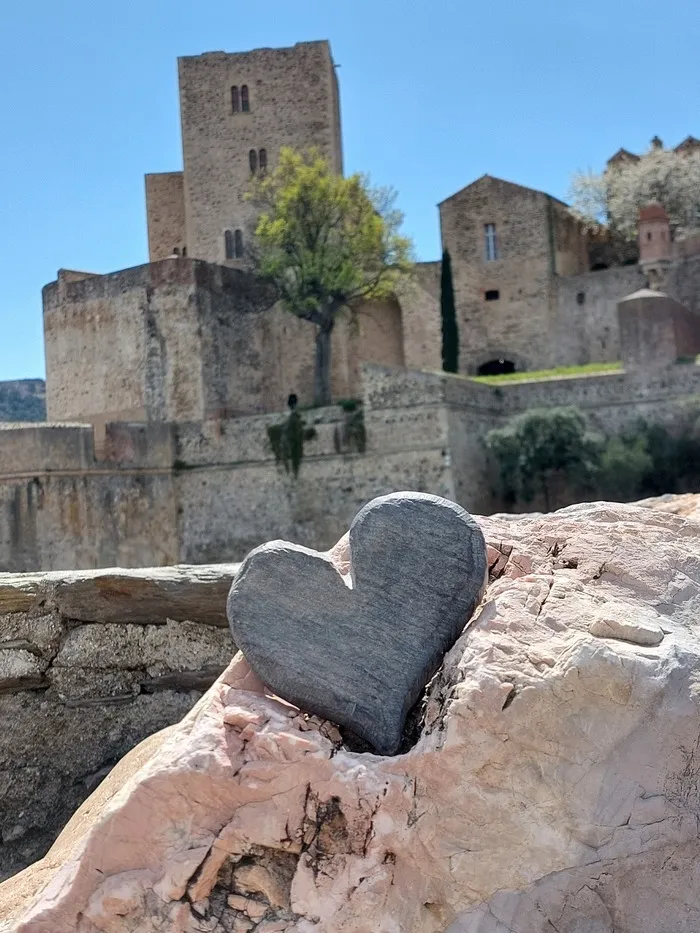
pixel 153 595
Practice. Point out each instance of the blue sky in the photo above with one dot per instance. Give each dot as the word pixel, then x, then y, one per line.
pixel 433 95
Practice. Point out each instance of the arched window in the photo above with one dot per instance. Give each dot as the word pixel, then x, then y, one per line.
pixel 229 245
pixel 184 250
pixel 245 99
pixel 262 160
pixel 253 159
pixel 238 244
pixel 235 100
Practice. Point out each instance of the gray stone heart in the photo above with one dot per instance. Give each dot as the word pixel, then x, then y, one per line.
pixel 358 650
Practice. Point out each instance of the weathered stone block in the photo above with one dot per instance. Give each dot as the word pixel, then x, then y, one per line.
pixel 20 670
pixel 40 633
pixel 154 595
pixel 175 646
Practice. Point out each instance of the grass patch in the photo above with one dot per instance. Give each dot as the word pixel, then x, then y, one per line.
pixel 589 369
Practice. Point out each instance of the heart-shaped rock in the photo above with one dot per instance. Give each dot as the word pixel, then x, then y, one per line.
pixel 359 649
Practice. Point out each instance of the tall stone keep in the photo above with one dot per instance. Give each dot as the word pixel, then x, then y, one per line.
pixel 237 111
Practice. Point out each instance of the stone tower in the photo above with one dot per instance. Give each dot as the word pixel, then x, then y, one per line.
pixel 237 111
pixel 654 234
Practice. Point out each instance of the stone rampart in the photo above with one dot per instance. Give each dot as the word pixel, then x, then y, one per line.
pixel 91 664
pixel 587 328
pixel 199 492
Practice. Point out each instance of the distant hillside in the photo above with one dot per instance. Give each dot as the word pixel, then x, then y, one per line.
pixel 23 400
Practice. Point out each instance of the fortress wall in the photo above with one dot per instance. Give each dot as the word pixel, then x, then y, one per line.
pixel 616 400
pixel 586 327
pixel 91 663
pixel 421 320
pixel 44 447
pixel 245 440
pixel 165 211
pixel 683 281
pixel 87 519
pixel 229 510
pixel 95 347
pixel 588 332
pixel 61 507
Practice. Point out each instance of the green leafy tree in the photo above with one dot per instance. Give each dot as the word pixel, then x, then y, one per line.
pixel 450 333
pixel 326 243
pixel 541 446
pixel 615 196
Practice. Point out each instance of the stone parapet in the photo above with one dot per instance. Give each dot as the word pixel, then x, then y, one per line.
pixel 90 664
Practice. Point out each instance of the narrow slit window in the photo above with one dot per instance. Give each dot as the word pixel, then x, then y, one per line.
pixel 238 244
pixel 262 160
pixel 229 245
pixel 253 160
pixel 235 100
pixel 245 99
pixel 490 243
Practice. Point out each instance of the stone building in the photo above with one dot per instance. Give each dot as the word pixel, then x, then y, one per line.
pixel 508 244
pixel 237 111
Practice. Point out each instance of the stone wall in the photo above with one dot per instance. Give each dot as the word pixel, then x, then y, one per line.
pixel 91 664
pixel 184 340
pixel 62 507
pixel 421 320
pixel 293 97
pixel 682 282
pixel 209 491
pixel 165 213
pixel 587 328
pixel 199 491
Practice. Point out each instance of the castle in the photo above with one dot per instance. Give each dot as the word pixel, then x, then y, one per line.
pixel 162 380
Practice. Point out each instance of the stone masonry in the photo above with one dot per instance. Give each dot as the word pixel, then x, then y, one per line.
pixel 292 100
pixel 91 664
pixel 505 293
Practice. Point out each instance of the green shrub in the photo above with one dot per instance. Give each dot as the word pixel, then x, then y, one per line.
pixel 543 447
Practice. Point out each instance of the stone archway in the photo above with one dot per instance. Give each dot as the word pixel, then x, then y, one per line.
pixel 498 366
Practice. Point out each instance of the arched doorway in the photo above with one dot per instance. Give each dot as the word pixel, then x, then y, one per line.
pixel 497 367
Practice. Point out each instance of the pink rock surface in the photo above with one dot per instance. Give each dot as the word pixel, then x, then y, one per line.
pixel 555 785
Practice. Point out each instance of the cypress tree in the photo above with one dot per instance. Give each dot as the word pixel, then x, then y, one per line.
pixel 450 333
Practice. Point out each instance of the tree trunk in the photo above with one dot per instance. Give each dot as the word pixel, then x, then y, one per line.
pixel 322 371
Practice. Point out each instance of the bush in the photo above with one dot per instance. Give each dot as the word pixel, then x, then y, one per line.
pixel 543 448
pixel 551 452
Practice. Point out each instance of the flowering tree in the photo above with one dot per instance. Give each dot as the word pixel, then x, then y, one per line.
pixel 616 195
